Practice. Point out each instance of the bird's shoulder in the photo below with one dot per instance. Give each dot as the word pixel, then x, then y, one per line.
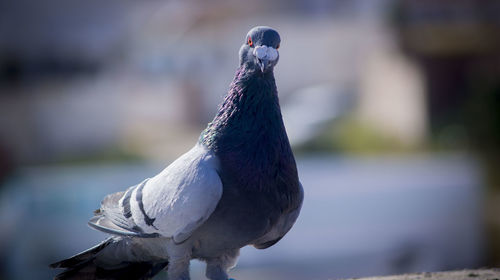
pixel 195 165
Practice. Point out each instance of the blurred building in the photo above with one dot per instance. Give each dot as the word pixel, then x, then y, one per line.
pixel 457 46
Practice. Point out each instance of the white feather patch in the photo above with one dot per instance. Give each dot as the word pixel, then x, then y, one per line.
pixel 272 53
pixel 265 52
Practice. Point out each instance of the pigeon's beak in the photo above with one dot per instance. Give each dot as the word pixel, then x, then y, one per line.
pixel 263 64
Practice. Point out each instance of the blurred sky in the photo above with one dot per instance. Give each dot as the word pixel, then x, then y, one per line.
pixel 392 108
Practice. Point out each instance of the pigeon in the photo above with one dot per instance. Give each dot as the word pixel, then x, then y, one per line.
pixel 237 186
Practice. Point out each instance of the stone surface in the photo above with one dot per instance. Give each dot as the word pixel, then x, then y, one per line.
pixel 480 274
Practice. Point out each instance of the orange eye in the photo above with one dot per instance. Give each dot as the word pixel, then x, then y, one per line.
pixel 278 46
pixel 250 43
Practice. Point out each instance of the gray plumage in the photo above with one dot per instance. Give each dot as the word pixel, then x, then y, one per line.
pixel 237 186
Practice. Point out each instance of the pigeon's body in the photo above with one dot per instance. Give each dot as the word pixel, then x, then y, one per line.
pixel 257 168
pixel 238 186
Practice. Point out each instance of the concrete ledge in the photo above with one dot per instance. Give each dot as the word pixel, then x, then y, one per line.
pixel 479 274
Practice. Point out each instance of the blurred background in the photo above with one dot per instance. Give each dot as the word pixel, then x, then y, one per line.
pixel 392 108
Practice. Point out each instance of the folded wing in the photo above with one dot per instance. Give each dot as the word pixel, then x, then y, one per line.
pixel 173 204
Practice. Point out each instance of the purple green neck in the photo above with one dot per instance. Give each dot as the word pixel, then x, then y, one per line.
pixel 248 135
pixel 250 108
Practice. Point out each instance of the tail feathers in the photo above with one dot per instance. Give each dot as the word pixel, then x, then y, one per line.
pixel 82 257
pixel 83 266
pixel 90 271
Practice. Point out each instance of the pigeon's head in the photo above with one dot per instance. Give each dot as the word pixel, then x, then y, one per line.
pixel 260 50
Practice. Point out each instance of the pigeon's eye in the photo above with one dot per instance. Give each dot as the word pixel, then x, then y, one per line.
pixel 278 46
pixel 250 43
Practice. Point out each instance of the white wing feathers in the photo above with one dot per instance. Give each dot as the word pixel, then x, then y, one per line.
pixel 173 203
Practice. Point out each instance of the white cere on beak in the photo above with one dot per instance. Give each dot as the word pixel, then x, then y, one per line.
pixel 265 52
pixel 260 52
pixel 272 53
